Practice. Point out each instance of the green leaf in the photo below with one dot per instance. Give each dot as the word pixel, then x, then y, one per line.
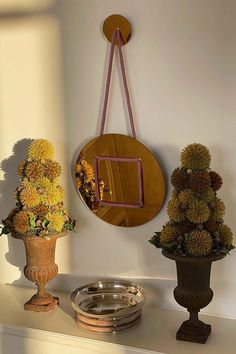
pixel 155 241
pixel 69 226
pixel 5 230
pixel 171 246
pixel 45 223
pixel 32 222
pixel 224 250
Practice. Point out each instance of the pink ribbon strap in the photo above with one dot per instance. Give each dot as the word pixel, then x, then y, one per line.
pixel 116 37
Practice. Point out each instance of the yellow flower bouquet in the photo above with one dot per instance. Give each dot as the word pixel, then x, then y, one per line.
pixel 39 207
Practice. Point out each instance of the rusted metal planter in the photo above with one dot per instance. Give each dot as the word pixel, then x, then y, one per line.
pixel 194 293
pixel 41 268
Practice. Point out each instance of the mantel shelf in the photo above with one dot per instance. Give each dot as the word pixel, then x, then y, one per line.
pixel 25 332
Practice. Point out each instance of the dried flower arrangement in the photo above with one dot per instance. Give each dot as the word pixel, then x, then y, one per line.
pixel 85 182
pixel 196 227
pixel 39 207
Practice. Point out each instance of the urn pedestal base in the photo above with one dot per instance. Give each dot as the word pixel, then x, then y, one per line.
pixel 39 304
pixel 196 332
pixel 194 293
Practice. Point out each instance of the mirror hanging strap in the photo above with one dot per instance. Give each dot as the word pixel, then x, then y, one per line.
pixel 116 38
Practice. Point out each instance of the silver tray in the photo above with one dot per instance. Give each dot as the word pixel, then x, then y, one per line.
pixel 108 306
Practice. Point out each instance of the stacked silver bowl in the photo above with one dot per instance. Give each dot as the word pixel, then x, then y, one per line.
pixel 108 306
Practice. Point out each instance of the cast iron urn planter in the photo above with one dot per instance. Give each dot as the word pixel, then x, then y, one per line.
pixel 194 293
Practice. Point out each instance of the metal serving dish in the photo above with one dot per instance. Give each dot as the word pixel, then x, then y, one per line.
pixel 108 306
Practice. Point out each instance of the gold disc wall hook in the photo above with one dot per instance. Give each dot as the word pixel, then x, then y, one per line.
pixel 117 21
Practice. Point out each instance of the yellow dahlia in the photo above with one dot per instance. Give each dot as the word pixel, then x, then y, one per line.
pixel 29 196
pixel 78 168
pixel 218 211
pixel 21 222
pixel 55 182
pixel 168 235
pixel 226 235
pixel 84 163
pixel 16 195
pixel 56 222
pixel 198 212
pixel 25 183
pixel 186 197
pixel 174 212
pixel 42 182
pixel 89 173
pixel 52 195
pixel 60 193
pixel 199 243
pixel 34 169
pixel 21 167
pixel 52 169
pixel 195 156
pixel 41 149
pixel 208 196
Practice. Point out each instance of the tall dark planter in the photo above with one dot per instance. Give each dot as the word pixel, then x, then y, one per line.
pixel 194 293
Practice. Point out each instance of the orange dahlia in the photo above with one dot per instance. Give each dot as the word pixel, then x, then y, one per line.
pixel 21 222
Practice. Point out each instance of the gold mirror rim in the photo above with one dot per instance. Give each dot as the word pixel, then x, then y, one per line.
pixel 161 176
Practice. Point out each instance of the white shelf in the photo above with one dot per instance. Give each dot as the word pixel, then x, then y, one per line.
pixel 24 332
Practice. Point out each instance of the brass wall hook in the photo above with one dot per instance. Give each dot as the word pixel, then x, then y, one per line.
pixel 117 21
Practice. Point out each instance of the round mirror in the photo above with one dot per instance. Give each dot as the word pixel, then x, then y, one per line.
pixel 120 180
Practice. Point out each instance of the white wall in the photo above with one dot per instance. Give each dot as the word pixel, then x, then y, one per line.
pixel 181 72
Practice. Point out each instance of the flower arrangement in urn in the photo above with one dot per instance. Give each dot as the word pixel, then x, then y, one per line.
pixel 195 235
pixel 39 218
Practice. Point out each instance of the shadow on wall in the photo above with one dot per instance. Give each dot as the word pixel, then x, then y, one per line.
pixel 15 255
pixel 31 42
pixel 11 178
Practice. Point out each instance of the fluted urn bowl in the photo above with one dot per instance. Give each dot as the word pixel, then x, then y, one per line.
pixel 193 292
